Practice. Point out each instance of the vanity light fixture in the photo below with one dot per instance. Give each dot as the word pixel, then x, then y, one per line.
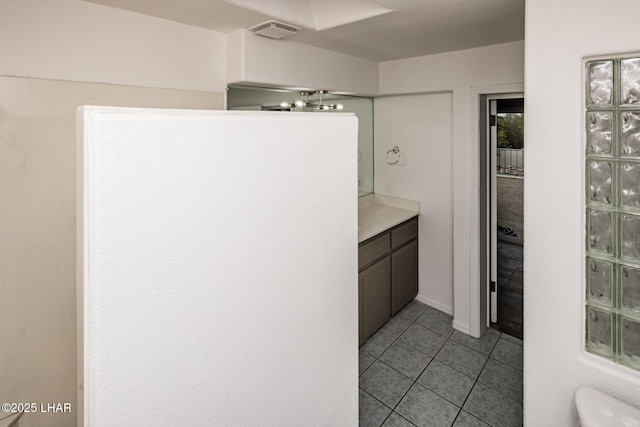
pixel 306 103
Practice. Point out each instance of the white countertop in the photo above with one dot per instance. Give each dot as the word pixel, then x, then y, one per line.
pixel 377 213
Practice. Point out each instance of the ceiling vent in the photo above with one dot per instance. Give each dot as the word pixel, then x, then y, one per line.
pixel 274 29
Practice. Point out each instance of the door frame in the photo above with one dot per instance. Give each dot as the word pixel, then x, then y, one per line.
pixel 488 252
pixel 478 302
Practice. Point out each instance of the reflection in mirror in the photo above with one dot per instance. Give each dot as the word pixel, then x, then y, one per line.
pixel 268 99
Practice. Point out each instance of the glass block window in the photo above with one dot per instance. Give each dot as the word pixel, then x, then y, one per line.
pixel 612 208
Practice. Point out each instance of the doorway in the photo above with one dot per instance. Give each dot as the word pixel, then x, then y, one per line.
pixel 503 172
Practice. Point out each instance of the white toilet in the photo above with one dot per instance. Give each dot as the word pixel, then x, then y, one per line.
pixel 596 409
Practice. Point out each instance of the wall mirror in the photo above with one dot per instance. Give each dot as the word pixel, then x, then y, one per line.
pixel 312 101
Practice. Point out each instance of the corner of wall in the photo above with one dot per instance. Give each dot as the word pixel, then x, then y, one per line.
pixel 289 64
pixel 75 41
pixel 235 42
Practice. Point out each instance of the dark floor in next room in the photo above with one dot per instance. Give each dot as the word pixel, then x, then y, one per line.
pixel 510 287
pixel 418 371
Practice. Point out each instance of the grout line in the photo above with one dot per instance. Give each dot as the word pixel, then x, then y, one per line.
pixel 506 364
pixel 453 367
pixel 434 392
pixel 495 389
pixel 448 338
pixel 476 382
pixel 414 381
pixel 381 402
pixel 400 415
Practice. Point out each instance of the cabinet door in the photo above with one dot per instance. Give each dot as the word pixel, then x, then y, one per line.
pixel 374 282
pixel 404 276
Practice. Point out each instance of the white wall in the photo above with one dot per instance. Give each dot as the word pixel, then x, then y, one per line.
pixel 37 231
pixel 219 289
pixel 466 73
pixel 66 42
pixel 559 35
pixel 259 60
pixel 421 127
pixel 80 41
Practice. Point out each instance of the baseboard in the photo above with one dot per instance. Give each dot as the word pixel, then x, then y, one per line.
pixel 434 304
pixel 462 328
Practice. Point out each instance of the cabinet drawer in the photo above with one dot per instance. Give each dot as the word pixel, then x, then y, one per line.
pixel 405 232
pixel 373 249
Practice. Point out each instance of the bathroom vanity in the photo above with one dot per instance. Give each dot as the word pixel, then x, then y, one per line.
pixel 387 259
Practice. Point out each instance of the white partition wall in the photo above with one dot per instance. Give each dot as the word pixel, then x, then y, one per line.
pixel 217 280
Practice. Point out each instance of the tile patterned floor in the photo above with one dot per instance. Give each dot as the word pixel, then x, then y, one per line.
pixel 510 288
pixel 418 371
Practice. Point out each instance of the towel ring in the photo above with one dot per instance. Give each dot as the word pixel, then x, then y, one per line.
pixel 396 152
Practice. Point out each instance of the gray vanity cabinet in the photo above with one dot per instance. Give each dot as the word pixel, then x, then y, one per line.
pixel 388 275
pixel 404 264
pixel 375 297
pixel 404 276
pixel 374 284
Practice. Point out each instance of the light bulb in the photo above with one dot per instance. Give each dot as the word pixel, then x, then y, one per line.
pixel 300 103
pixel 339 107
pixel 285 104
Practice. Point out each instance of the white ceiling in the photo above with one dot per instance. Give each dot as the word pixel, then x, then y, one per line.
pixel 411 27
